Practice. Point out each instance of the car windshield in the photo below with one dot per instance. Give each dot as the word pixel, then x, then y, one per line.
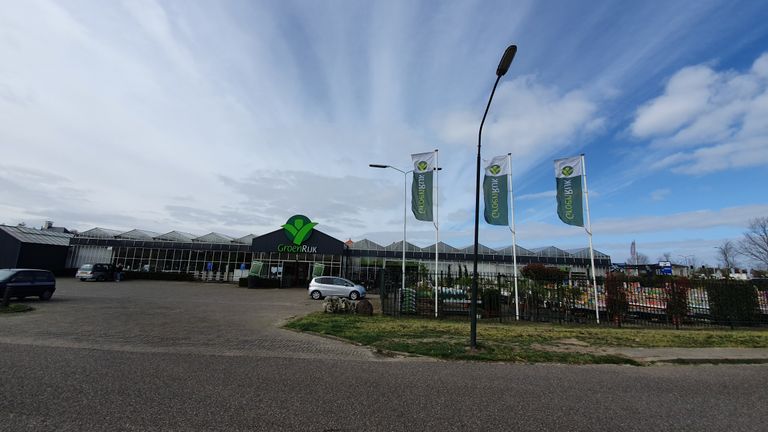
pixel 5 274
pixel 86 267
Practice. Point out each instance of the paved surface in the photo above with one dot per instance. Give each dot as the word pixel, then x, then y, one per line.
pixel 194 357
pixel 174 317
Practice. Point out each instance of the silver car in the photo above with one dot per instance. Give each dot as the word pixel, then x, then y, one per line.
pixel 324 286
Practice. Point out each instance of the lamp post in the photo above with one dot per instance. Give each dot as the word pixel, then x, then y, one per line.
pixel 405 207
pixel 501 70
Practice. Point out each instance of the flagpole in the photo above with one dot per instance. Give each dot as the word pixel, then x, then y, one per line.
pixel 437 226
pixel 514 234
pixel 589 231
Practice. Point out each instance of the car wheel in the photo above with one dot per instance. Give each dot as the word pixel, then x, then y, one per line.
pixel 354 295
pixel 46 295
pixel 316 295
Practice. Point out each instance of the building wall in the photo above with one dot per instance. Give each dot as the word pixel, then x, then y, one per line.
pixel 41 256
pixel 9 250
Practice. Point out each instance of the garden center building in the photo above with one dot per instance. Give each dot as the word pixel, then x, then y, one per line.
pixel 292 254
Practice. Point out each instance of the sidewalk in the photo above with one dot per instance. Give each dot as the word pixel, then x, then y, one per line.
pixel 694 355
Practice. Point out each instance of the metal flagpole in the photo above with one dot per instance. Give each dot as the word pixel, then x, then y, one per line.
pixel 437 227
pixel 514 234
pixel 589 231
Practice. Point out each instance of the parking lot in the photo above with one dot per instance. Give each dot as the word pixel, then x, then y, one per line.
pixel 173 317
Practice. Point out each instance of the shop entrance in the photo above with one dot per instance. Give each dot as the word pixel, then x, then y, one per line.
pixel 295 274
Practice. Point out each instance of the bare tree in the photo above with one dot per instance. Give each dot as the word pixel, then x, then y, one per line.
pixel 726 254
pixel 642 258
pixel 666 256
pixel 754 245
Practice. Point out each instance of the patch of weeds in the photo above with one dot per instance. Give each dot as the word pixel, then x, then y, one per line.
pixel 16 307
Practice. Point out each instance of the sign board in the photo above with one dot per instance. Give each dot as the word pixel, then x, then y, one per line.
pixel 298 235
pixel 666 268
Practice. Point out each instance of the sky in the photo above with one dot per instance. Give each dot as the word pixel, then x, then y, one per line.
pixel 232 116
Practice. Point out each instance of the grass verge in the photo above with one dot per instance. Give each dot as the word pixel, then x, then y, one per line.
pixel 519 342
pixel 16 307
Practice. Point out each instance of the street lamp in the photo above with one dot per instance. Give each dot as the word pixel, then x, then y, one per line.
pixel 405 206
pixel 501 70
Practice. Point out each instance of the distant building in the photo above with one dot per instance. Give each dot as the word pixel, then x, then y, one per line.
pixel 216 256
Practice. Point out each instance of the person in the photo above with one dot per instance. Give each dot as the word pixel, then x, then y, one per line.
pixel 118 272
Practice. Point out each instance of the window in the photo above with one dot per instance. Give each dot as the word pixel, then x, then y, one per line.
pixel 22 277
pixel 43 276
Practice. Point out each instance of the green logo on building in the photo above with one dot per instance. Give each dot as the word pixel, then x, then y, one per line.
pixel 422 166
pixel 567 170
pixel 298 228
pixel 494 169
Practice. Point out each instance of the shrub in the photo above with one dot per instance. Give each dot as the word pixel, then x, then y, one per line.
pixel 491 301
pixel 616 301
pixel 733 302
pixel 677 299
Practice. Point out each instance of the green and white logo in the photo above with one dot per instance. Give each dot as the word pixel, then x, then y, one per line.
pixel 298 228
pixel 567 170
pixel 422 166
pixel 494 169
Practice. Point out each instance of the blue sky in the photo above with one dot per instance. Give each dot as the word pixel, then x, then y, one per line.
pixel 232 116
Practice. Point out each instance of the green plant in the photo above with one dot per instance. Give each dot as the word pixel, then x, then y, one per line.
pixel 732 302
pixel 616 301
pixel 677 300
pixel 491 299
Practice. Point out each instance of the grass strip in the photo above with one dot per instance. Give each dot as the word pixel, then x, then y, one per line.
pixel 516 342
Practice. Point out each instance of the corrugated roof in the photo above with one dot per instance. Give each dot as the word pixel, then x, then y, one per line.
pixel 519 250
pixel 214 237
pixel 443 248
pixel 36 236
pixel 366 244
pixel 550 251
pixel 584 253
pixel 100 233
pixel 247 239
pixel 398 247
pixel 138 234
pixel 177 236
pixel 481 249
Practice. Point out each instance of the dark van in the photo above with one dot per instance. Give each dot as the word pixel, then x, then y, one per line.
pixel 97 272
pixel 23 283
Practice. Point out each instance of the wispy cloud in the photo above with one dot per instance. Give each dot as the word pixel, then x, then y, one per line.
pixel 660 194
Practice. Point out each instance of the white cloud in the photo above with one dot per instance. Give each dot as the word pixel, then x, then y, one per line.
pixel 521 121
pixel 708 120
pixel 660 194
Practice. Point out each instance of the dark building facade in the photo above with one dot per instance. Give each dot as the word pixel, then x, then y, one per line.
pixel 22 247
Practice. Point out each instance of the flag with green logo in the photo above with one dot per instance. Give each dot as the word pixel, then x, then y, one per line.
pixel 421 189
pixel 496 191
pixel 568 174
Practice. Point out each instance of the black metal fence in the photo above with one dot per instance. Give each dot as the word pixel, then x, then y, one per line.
pixel 658 301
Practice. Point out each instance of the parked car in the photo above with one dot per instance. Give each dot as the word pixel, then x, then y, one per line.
pixel 324 286
pixel 98 272
pixel 27 282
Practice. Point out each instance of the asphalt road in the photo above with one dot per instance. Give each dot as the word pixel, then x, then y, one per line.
pixel 185 357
